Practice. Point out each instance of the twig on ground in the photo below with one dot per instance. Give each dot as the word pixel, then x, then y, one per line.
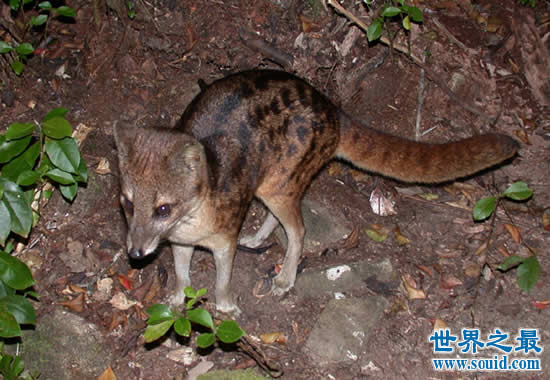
pixel 420 102
pixel 450 36
pixel 417 61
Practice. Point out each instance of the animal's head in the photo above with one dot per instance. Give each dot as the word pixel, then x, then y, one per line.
pixel 163 178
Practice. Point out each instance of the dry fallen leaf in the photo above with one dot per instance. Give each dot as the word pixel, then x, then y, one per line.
pixel 108 374
pixel 448 281
pixel 352 241
pixel 401 240
pixel 125 282
pixel 540 305
pixel 426 269
pixel 380 204
pixel 503 251
pixel 103 167
pixel 522 135
pixel 472 270
pixel 482 249
pixel 118 318
pixel 76 304
pixel 377 233
pixel 514 232
pixel 440 324
pixel 546 221
pixel 410 285
pixel 121 302
pixel 270 338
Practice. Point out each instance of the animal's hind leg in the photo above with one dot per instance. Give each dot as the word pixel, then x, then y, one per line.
pixel 287 211
pixel 263 233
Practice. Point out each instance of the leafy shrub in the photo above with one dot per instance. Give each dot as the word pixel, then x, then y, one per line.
pixel 44 12
pixel 162 318
pixel 30 155
pixel 398 8
pixel 528 268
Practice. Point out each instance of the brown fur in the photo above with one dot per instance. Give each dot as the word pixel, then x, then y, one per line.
pixel 263 134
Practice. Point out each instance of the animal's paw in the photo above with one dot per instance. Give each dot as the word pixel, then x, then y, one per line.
pixel 250 241
pixel 230 309
pixel 280 286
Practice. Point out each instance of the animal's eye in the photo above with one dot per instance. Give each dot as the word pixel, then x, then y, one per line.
pixel 127 205
pixel 163 211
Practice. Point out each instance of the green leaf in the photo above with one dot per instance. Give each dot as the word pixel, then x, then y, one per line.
pixel 391 11
pixel 376 235
pixel 201 292
pixel 64 154
pixel 56 112
pixel 189 292
pixel 17 67
pixel 27 178
pixel 183 327
pixel 518 191
pixel 24 49
pixel 510 262
pixel 5 47
pixel 13 148
pixel 15 4
pixel 14 272
pixel 46 5
pixel 61 177
pixel 57 127
pixel 69 191
pixel 205 340
pixel 375 30
pixel 17 130
pixel 18 207
pixel 65 11
pixel 6 290
pixel 31 154
pixel 15 167
pixel 20 307
pixel 9 328
pixel 82 171
pixel 201 317
pixel 159 313
pixel 407 23
pixel 229 332
pixel 528 273
pixel 484 207
pixel 38 20
pixel 153 332
pixel 415 14
pixel 5 223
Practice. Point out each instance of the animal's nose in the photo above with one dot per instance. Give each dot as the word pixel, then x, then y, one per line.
pixel 136 253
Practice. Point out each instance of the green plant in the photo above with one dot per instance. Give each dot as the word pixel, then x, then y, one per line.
pixel 406 12
pixel 30 155
pixel 43 14
pixel 11 367
pixel 131 10
pixel 162 318
pixel 26 162
pixel 23 52
pixel 528 268
pixel 531 3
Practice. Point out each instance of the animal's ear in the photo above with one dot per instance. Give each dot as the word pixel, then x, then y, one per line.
pixel 125 135
pixel 189 159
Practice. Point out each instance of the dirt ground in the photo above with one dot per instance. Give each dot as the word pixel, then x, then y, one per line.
pixel 486 69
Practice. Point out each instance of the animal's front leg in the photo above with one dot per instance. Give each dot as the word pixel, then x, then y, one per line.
pixel 224 262
pixel 182 261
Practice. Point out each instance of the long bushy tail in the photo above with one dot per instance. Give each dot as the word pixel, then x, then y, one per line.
pixel 412 161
